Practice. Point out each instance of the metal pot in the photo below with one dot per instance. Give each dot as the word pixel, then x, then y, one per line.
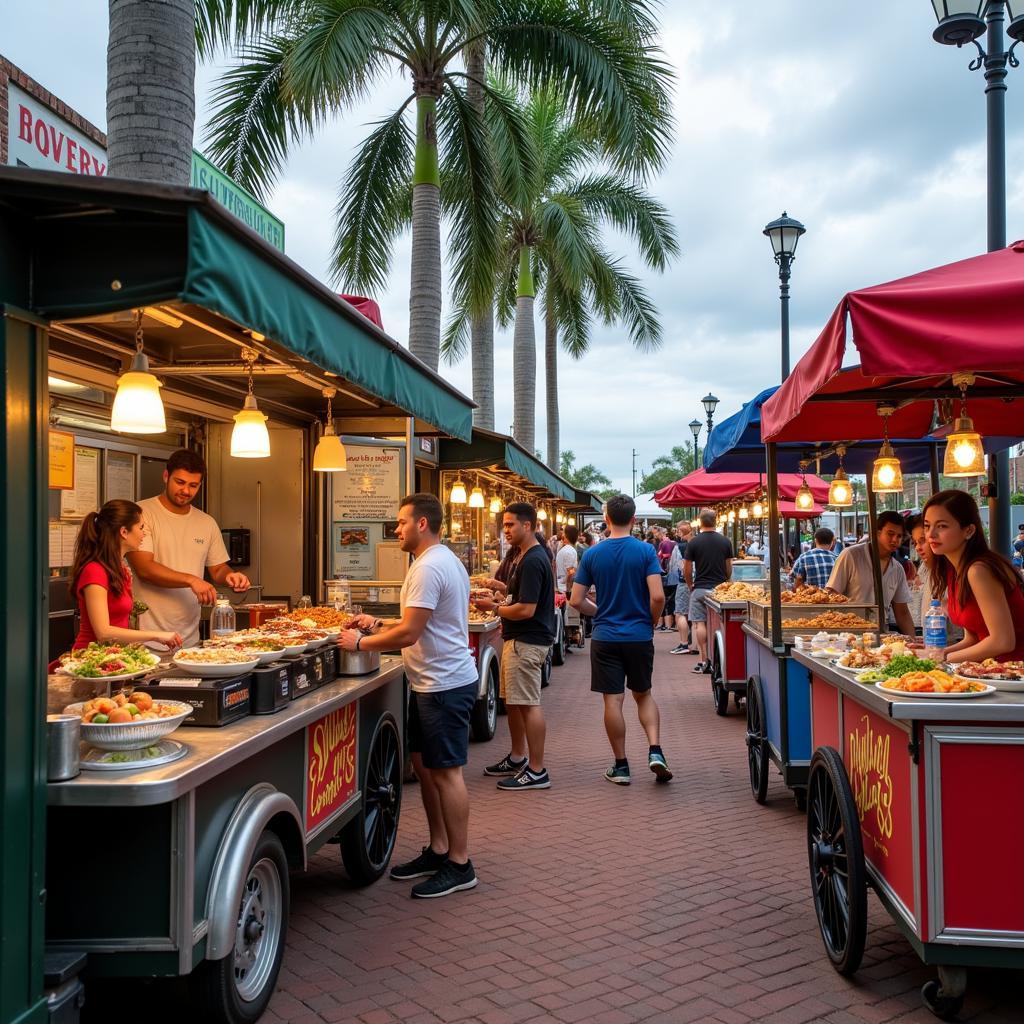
pixel 357 663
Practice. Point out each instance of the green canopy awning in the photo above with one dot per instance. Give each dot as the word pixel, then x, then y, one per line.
pixel 586 501
pixel 498 453
pixel 101 246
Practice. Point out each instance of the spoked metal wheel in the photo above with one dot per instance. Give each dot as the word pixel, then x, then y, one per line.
pixel 836 858
pixel 558 648
pixel 757 741
pixel 718 691
pixel 484 719
pixel 259 929
pixel 368 840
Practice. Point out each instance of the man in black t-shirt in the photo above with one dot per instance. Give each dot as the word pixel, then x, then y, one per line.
pixel 528 630
pixel 708 562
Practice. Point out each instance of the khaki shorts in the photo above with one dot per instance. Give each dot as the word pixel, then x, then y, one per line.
pixel 521 665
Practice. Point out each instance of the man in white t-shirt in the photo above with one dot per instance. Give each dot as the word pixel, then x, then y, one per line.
pixel 434 639
pixel 566 559
pixel 181 544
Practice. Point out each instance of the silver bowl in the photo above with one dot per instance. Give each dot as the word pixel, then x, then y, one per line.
pixel 130 735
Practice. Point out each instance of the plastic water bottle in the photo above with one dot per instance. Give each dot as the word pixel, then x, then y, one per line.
pixel 222 618
pixel 341 594
pixel 934 632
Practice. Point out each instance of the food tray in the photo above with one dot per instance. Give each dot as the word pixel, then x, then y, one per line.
pixel 130 735
pixel 97 760
pixel 989 688
pixel 759 618
pixel 211 671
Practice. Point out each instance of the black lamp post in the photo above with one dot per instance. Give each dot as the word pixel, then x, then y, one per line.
pixel 695 430
pixel 710 403
pixel 965 21
pixel 784 234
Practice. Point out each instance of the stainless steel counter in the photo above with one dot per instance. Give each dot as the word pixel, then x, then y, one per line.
pixel 485 627
pixel 215 750
pixel 993 707
pixel 719 605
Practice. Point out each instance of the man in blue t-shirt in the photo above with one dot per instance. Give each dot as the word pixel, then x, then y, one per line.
pixel 630 599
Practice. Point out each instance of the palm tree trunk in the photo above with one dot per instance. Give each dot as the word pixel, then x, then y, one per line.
pixel 524 357
pixel 481 329
pixel 151 100
pixel 551 386
pixel 425 283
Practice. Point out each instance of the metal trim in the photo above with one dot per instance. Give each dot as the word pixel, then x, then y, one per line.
pixel 332 820
pixel 183 836
pixel 149 944
pixel 487 656
pixel 879 882
pixel 979 937
pixel 915 835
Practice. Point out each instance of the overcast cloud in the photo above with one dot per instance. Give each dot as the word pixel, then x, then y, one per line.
pixel 846 115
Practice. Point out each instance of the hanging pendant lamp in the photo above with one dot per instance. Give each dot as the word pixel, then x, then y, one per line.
pixel 458 495
pixel 744 512
pixel 840 493
pixel 476 498
pixel 138 408
pixel 329 456
pixel 542 514
pixel 250 438
pixel 804 496
pixel 886 473
pixel 965 452
pixel 758 510
pixel 495 506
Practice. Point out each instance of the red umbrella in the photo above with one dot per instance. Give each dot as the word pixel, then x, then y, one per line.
pixel 911 335
pixel 701 487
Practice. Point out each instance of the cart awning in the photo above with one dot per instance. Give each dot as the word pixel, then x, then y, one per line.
pixel 588 502
pixel 910 335
pixel 700 487
pixel 498 453
pixel 101 246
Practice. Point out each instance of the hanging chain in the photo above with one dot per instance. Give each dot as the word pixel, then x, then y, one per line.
pixel 138 330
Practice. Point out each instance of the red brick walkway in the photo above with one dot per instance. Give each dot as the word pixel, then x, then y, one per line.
pixel 607 904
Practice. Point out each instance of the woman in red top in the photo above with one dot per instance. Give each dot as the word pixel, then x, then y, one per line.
pixel 985 592
pixel 100 580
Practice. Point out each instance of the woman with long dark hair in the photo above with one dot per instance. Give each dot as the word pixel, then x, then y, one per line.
pixel 985 594
pixel 100 580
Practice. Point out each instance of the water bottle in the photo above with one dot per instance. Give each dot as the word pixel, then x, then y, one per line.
pixel 341 593
pixel 222 618
pixel 934 632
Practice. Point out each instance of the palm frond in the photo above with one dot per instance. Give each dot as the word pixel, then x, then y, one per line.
pixel 374 205
pixel 231 23
pixel 572 315
pixel 456 337
pixel 637 312
pixel 568 237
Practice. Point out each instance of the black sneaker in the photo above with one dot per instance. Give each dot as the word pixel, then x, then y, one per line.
pixel 448 880
pixel 526 779
pixel 657 763
pixel 427 863
pixel 678 649
pixel 699 667
pixel 506 766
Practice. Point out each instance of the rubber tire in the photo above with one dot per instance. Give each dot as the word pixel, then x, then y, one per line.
pixel 719 694
pixel 757 742
pixel 483 721
pixel 559 646
pixel 944 1007
pixel 361 868
pixel 213 982
pixel 545 670
pixel 828 783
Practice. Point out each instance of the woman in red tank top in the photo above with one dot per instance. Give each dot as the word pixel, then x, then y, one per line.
pixel 985 592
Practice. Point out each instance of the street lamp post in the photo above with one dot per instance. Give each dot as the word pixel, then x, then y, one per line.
pixel 710 403
pixel 695 430
pixel 965 21
pixel 784 234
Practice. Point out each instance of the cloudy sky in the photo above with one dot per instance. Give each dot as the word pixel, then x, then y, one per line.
pixel 848 116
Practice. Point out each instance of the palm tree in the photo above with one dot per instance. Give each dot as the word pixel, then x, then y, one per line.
pixel 151 102
pixel 319 56
pixel 551 241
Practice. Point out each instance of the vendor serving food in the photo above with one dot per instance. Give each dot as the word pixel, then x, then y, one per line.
pixel 985 593
pixel 180 544
pixel 853 575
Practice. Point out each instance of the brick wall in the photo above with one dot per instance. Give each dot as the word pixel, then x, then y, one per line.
pixel 10 73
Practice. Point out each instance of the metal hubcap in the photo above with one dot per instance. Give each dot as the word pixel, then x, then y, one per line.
pixel 259 929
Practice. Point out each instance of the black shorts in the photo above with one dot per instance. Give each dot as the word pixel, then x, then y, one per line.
pixel 670 600
pixel 614 666
pixel 439 726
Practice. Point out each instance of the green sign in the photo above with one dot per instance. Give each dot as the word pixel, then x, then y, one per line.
pixel 236 199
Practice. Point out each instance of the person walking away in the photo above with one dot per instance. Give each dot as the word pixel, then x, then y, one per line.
pixel 566 559
pixel 528 630
pixel 708 562
pixel 684 532
pixel 852 574
pixel 813 568
pixel 669 582
pixel 630 600
pixel 443 685
pixel 181 543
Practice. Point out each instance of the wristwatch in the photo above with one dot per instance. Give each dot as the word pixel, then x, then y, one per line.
pixel 359 640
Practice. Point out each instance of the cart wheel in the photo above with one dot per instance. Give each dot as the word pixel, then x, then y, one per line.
pixel 484 719
pixel 836 858
pixel 558 647
pixel 945 997
pixel 718 691
pixel 757 742
pixel 368 840
pixel 545 670
pixel 237 988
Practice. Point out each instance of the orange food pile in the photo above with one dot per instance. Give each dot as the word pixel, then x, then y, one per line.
pixel 739 592
pixel 829 620
pixel 935 681
pixel 120 709
pixel 322 617
pixel 812 595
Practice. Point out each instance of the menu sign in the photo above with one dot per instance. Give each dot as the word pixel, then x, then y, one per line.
pixel 62 461
pixel 331 759
pixel 371 488
pixel 84 497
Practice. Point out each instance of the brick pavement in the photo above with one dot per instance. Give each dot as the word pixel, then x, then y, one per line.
pixel 607 904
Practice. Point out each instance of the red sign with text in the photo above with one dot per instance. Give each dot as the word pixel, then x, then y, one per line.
pixel 331 759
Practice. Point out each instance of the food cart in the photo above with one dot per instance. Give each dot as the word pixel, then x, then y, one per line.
pixel 913 793
pixel 216 831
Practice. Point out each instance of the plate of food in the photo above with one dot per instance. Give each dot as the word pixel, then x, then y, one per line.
pixel 870 676
pixel 216 662
pixel 935 684
pixel 116 663
pixel 858 660
pixel 128 721
pixel 1004 675
pixel 264 648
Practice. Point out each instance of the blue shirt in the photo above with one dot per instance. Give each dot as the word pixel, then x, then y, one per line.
pixel 619 567
pixel 815 566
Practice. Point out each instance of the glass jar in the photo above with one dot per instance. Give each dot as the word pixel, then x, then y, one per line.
pixel 305 602
pixel 222 618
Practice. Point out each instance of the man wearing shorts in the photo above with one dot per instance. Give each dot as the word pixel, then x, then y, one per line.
pixel 630 599
pixel 528 631
pixel 683 534
pixel 443 683
pixel 708 562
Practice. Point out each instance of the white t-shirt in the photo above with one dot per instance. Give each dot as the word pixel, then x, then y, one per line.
pixel 186 543
pixel 853 576
pixel 440 659
pixel 565 560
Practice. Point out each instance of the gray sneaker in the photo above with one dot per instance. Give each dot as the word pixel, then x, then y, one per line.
pixel 657 763
pixel 620 776
pixel 525 780
pixel 448 880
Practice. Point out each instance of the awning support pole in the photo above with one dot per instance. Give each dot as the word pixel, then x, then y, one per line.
pixel 934 454
pixel 876 565
pixel 774 565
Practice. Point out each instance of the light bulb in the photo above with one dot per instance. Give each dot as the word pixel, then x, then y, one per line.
pixel 732 516
pixel 329 456
pixel 495 506
pixel 559 518
pixel 476 498
pixel 542 514
pixel 758 509
pixel 744 512
pixel 458 495
pixel 137 407
pixel 964 452
pixel 250 438
pixel 886 475
pixel 570 520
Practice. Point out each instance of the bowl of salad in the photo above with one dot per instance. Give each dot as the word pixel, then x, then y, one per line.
pixel 115 663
